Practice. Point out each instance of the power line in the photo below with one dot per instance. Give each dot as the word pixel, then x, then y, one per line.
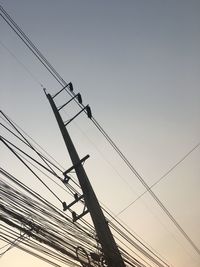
pixel 27 143
pixel 46 224
pixel 12 244
pixel 11 149
pixel 62 82
pixel 155 254
pixel 161 178
pixel 28 43
pixel 121 233
pixel 21 64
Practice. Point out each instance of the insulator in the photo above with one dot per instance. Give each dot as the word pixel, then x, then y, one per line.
pixel 74 216
pixel 79 98
pixel 89 112
pixel 70 85
pixel 64 206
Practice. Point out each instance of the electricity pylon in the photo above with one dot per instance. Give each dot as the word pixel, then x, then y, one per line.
pixel 109 248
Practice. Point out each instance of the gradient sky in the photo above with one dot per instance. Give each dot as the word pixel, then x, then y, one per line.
pixel 137 64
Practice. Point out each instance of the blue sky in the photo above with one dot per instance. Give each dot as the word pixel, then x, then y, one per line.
pixel 137 64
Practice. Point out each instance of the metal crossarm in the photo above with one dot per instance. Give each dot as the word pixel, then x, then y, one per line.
pixel 74 166
pixel 66 207
pixel 70 88
pixel 78 96
pixel 77 217
pixel 85 108
pixel 112 254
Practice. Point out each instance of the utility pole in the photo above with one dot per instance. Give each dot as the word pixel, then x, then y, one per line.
pixel 105 237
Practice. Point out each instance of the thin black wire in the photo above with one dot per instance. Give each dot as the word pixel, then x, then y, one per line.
pixel 12 244
pixel 129 241
pixel 164 174
pixel 12 25
pixel 137 239
pixel 5 143
pixel 77 226
pixel 133 243
pixel 27 155
pixel 41 236
pixel 161 178
pixel 73 190
pixel 70 188
pixel 61 81
pixel 152 258
pixel 39 197
pixel 28 145
pixel 21 64
pixel 26 142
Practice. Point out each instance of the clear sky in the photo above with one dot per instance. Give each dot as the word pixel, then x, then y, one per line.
pixel 137 64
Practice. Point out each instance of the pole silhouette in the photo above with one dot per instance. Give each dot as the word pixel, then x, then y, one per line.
pixel 109 247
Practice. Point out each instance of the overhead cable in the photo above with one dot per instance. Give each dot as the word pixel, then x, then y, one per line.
pixel 63 83
pixel 161 178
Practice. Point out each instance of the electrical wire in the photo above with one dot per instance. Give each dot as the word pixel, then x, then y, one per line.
pixel 12 244
pixel 161 178
pixel 61 81
pixel 6 144
pixel 21 64
pixel 46 223
pixel 178 162
pixel 26 142
pixel 29 157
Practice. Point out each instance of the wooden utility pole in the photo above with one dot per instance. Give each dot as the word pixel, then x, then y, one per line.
pixel 105 237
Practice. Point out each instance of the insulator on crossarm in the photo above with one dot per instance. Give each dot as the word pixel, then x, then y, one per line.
pixel 89 112
pixel 79 98
pixel 74 216
pixel 64 206
pixel 70 86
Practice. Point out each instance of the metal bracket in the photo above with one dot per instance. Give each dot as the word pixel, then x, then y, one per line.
pixel 76 217
pixel 66 177
pixel 88 111
pixel 69 85
pixel 78 96
pixel 77 198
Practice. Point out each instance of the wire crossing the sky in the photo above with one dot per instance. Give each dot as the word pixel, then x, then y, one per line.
pixel 127 237
pixel 162 177
pixel 44 220
pixel 63 83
